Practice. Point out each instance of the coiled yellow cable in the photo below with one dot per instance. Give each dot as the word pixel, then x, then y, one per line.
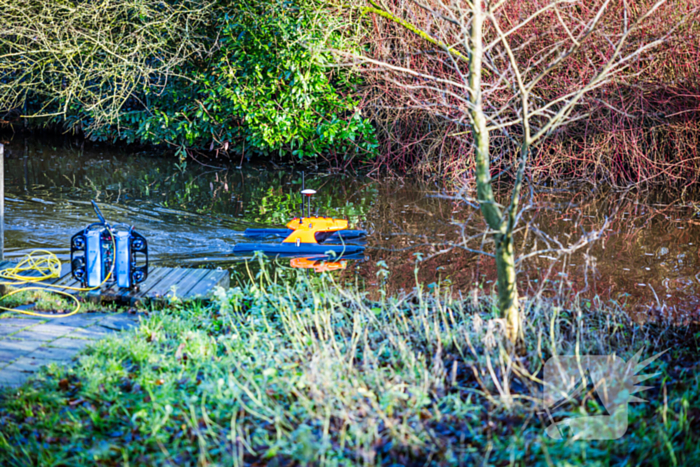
pixel 49 267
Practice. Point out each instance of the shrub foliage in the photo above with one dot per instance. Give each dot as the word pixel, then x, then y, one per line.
pixel 247 75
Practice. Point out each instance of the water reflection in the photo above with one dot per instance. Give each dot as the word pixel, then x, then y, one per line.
pixel 647 258
pixel 318 265
pixel 193 216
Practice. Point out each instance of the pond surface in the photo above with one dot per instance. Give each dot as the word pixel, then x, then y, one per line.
pixel 647 258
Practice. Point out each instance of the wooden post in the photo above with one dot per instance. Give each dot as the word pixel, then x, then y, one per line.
pixel 2 202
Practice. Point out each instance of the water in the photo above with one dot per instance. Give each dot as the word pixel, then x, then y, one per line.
pixel 646 259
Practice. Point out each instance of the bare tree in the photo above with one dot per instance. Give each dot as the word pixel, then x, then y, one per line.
pixel 511 73
pixel 93 56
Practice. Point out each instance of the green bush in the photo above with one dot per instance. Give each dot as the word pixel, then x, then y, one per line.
pixel 271 79
pixel 251 76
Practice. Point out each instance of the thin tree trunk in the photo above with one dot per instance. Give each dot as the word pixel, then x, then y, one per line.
pixel 505 256
pixel 489 208
pixel 506 71
pixel 508 303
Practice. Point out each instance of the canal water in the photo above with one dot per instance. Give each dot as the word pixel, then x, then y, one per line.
pixel 420 233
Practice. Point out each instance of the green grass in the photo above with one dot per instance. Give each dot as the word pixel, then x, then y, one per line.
pixel 303 371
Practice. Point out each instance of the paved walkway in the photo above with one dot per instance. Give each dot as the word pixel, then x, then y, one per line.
pixel 28 343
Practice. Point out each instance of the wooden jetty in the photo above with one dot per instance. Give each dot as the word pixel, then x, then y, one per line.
pixel 162 285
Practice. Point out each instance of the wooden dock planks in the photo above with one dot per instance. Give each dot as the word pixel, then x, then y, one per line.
pixel 162 284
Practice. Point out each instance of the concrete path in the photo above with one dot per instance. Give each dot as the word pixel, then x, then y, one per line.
pixel 28 343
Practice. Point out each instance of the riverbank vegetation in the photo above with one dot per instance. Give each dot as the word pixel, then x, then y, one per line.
pixel 300 371
pixel 495 83
pixel 263 78
pixel 241 77
pixel 639 127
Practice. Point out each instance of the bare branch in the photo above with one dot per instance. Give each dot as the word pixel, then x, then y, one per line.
pixel 416 30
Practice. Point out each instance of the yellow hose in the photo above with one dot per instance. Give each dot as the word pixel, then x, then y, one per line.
pixel 49 267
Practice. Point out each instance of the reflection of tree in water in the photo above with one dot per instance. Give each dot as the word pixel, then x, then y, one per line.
pixel 65 169
pixel 649 242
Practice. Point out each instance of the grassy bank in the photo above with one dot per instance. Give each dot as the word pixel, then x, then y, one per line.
pixel 303 371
